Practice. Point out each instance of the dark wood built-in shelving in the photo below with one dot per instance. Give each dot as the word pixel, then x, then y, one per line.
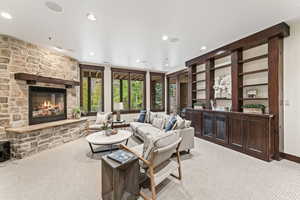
pixel 199 90
pixel 254 59
pixel 257 135
pixel 221 67
pixel 254 85
pixel 253 72
pixel 199 81
pixel 255 98
pixel 32 79
pixel 200 72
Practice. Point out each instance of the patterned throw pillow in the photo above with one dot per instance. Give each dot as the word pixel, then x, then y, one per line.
pixel 171 123
pixel 180 123
pixel 142 116
pixel 158 123
pixel 188 124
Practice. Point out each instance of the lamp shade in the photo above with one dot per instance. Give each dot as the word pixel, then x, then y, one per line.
pixel 119 106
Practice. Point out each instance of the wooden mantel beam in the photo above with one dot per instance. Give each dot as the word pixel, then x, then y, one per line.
pixel 32 79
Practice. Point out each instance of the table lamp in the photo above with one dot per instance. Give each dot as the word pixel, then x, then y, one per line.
pixel 119 107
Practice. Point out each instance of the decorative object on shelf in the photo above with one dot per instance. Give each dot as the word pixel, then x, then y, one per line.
pixel 212 104
pixel 198 105
pixel 251 93
pixel 222 86
pixel 119 107
pixel 76 113
pixel 254 108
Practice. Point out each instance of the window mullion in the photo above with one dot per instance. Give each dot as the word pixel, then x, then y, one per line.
pixel 129 92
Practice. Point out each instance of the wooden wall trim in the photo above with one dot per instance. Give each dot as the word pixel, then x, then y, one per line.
pixel 280 30
pixel 128 70
pixel 237 81
pixel 209 78
pixel 275 64
pixel 290 157
pixel 173 74
pixel 91 67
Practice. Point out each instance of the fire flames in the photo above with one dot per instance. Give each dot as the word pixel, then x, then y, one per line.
pixel 46 108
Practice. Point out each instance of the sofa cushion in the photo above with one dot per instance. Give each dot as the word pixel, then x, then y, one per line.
pixel 147 130
pixel 96 126
pixel 158 123
pixel 180 123
pixel 135 125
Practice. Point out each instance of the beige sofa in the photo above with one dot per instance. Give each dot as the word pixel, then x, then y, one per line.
pixel 141 130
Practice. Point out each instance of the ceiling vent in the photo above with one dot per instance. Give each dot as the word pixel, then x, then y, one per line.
pixel 54 7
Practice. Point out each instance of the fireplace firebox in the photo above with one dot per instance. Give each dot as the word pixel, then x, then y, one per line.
pixel 46 104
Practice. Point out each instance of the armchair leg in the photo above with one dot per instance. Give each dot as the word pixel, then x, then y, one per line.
pixel 179 177
pixel 152 183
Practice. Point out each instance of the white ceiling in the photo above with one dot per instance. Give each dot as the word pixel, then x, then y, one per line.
pixel 127 30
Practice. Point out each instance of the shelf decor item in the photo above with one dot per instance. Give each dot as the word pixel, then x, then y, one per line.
pixel 251 93
pixel 198 106
pixel 254 108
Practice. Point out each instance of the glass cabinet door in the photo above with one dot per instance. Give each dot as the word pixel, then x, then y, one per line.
pixel 208 125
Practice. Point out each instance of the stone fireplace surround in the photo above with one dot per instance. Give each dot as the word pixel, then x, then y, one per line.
pixel 17 56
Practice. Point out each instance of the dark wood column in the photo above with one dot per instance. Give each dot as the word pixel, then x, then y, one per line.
pixel 236 80
pixel 190 87
pixel 275 90
pixel 210 80
pixel 177 92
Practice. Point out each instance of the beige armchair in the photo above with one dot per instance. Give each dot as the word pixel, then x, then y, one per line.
pixel 155 159
pixel 101 119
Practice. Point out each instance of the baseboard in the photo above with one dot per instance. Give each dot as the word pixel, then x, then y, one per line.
pixel 290 157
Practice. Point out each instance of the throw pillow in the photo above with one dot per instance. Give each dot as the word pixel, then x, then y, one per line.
pixel 152 115
pixel 180 123
pixel 171 123
pixel 158 123
pixel 142 116
pixel 188 124
pixel 101 118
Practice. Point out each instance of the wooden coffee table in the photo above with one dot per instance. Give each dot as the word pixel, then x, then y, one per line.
pixel 109 143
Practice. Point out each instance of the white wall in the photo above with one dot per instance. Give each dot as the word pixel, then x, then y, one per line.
pixel 292 90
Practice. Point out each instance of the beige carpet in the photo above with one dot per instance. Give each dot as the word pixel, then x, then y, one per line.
pixel 211 172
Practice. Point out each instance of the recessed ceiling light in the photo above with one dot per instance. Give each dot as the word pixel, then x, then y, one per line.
pixel 91 17
pixel 165 37
pixel 54 7
pixel 167 65
pixel 92 53
pixel 203 48
pixel 6 15
pixel 58 48
pixel 138 61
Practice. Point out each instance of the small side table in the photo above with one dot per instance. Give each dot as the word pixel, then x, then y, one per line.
pixel 120 181
pixel 119 124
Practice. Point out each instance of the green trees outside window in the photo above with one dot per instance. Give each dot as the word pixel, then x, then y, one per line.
pixel 128 87
pixel 92 84
pixel 157 87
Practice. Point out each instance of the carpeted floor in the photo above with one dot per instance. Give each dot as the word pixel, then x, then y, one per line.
pixel 211 172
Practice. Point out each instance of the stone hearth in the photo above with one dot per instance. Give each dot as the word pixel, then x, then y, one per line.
pixel 29 140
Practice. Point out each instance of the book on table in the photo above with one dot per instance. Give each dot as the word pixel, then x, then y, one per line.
pixel 121 156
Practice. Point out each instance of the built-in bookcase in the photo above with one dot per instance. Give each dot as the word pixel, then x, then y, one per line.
pixel 221 70
pixel 254 75
pixel 255 64
pixel 199 84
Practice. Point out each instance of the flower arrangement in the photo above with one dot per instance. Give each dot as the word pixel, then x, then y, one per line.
pixel 254 108
pixel 76 113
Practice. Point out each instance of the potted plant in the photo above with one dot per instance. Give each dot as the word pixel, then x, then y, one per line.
pixel 199 105
pixel 254 108
pixel 76 113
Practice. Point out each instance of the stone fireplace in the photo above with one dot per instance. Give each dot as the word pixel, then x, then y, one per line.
pixel 46 104
pixel 37 96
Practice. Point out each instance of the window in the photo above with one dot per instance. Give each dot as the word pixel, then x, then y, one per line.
pixel 129 88
pixel 172 100
pixel 92 88
pixel 157 87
